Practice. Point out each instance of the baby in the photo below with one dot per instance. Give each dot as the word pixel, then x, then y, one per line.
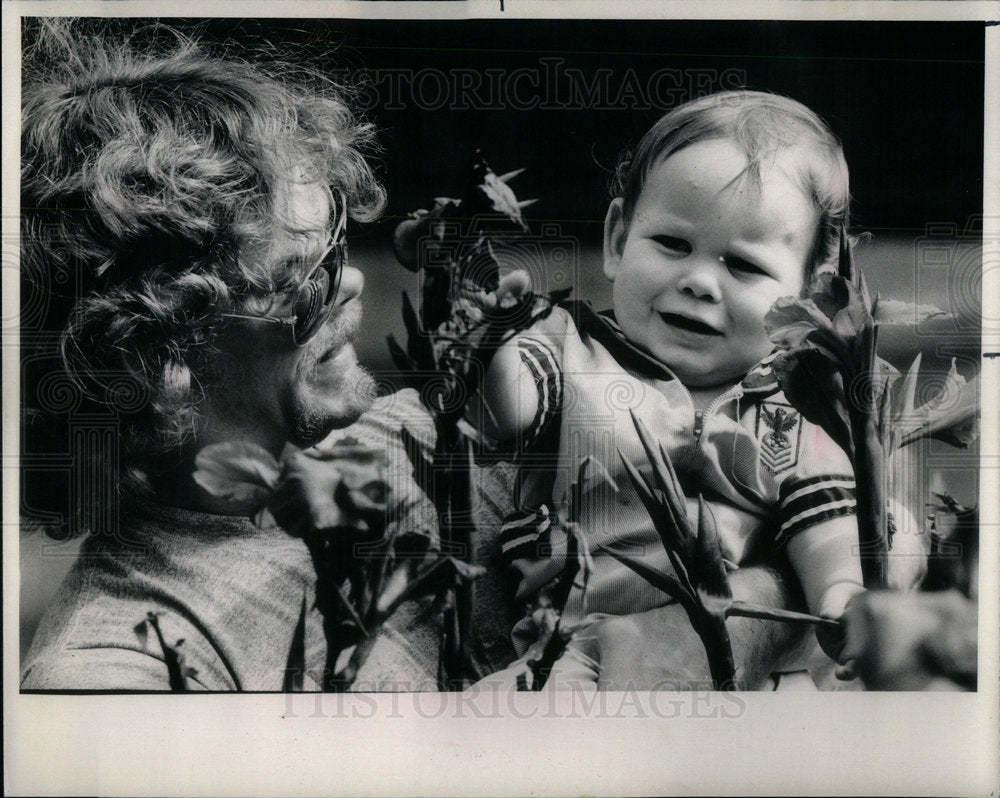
pixel 730 202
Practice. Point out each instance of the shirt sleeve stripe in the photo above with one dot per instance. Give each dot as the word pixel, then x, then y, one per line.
pixel 541 362
pixel 807 502
pixel 537 526
pixel 820 514
pixel 795 485
pixel 524 525
pixel 518 542
pixel 525 515
pixel 525 550
pixel 800 491
pixel 816 498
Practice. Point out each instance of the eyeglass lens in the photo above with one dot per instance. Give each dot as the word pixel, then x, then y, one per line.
pixel 317 297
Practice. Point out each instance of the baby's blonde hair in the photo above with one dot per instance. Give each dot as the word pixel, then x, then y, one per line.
pixel 764 126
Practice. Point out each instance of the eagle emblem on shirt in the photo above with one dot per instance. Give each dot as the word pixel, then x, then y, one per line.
pixel 778 429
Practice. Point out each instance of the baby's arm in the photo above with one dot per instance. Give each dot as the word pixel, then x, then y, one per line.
pixel 522 388
pixel 825 558
pixel 510 400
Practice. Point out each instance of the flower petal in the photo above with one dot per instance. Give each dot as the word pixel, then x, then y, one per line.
pixel 832 293
pixel 240 471
pixel 951 417
pixel 814 387
pixel 791 319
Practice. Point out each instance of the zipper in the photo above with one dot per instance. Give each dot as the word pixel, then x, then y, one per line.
pixel 700 415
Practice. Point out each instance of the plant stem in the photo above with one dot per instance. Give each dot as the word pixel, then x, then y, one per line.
pixel 715 637
pixel 869 474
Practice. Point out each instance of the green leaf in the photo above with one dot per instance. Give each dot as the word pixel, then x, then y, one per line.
pixel 141 630
pixel 418 343
pixel 663 518
pixel 423 465
pixel 680 528
pixel 663 475
pixel 951 417
pixel 430 578
pixel 654 506
pixel 578 549
pixel 395 585
pixel 348 605
pixel 742 609
pixel 673 502
pixel 589 475
pixel 845 257
pixel 903 406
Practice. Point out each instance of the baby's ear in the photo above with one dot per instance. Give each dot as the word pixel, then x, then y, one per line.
pixel 615 233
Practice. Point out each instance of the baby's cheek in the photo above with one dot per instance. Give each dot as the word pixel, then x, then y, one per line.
pixel 755 333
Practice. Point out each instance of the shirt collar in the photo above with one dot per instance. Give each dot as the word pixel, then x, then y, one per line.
pixel 605 330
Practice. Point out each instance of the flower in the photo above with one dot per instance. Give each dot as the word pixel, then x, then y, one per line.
pixel 951 414
pixel 242 473
pixel 830 373
pixel 333 497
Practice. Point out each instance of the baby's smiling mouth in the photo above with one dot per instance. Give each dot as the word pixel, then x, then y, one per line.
pixel 689 324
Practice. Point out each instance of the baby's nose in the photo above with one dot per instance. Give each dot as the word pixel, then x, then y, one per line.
pixel 701 282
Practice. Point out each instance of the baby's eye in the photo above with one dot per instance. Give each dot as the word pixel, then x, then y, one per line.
pixel 739 266
pixel 678 245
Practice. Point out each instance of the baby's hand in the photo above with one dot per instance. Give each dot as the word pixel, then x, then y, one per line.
pixel 512 288
pixel 834 641
pixel 913 641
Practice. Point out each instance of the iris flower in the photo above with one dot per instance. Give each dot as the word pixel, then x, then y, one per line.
pixel 830 372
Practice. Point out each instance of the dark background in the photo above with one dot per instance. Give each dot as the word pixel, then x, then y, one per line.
pixel 906 99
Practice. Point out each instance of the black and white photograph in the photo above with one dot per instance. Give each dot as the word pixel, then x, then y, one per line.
pixel 386 382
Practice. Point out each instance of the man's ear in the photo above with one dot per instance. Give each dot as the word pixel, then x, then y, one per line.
pixel 615 233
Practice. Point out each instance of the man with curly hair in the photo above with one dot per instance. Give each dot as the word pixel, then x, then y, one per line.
pixel 183 223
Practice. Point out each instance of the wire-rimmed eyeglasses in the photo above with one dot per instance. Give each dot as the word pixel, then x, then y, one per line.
pixel 316 296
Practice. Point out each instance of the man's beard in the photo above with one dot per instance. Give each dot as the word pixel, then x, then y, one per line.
pixel 316 406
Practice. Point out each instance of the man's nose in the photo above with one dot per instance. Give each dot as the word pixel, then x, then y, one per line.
pixel 701 281
pixel 352 283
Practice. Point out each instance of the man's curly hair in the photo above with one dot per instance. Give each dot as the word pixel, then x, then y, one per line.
pixel 147 169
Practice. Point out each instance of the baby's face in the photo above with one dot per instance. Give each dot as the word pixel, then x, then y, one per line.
pixel 704 258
